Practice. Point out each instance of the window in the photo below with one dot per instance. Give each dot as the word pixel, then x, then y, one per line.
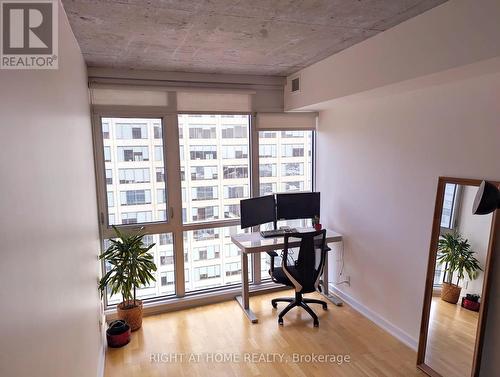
pixel 205 213
pixel 131 197
pixel 105 130
pixel 234 151
pixel 267 170
pixel 165 275
pixel 287 171
pixel 233 269
pixel 134 197
pixel 202 132
pixel 292 150
pixel 167 278
pixel 160 175
pixel 203 152
pixel 134 176
pixel 292 134
pixel 267 188
pixel 294 161
pixel 236 192
pixel 160 195
pixel 215 174
pixel 267 150
pixel 449 202
pixel 157 132
pixel 207 272
pixel 234 132
pixel 199 173
pixel 204 193
pixel 206 252
pixel 158 153
pixel 293 168
pixel 107 154
pixel 133 154
pixel 136 217
pixel 217 166
pixel 232 211
pixel 235 172
pixel 109 176
pixel 111 199
pixel 131 131
pixel 292 186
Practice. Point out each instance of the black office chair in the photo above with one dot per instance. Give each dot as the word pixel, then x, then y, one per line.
pixel 303 274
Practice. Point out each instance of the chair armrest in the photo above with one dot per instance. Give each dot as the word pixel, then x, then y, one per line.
pixel 272 254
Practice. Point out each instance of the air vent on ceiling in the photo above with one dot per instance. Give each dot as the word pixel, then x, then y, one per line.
pixel 296 84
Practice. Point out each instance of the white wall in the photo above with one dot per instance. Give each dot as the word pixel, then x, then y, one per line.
pixel 380 159
pixel 454 34
pixel 49 321
pixel 477 230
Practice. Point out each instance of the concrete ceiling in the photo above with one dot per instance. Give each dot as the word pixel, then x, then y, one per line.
pixel 264 37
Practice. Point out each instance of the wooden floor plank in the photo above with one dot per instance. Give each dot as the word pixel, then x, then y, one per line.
pixel 224 328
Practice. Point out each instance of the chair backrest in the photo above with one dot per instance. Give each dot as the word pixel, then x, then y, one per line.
pixel 309 265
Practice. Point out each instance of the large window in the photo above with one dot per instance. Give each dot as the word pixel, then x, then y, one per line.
pixel 181 178
pixel 287 171
pixel 133 188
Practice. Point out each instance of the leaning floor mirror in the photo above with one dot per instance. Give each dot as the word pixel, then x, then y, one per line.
pixel 456 292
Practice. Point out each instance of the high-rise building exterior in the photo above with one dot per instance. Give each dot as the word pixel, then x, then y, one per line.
pixel 215 175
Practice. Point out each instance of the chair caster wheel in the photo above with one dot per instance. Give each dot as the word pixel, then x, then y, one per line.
pixel 325 307
pixel 280 321
pixel 275 305
pixel 316 324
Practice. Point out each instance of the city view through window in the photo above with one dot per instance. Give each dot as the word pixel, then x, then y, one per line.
pixel 215 175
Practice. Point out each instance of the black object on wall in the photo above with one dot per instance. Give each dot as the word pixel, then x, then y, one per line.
pixel 487 199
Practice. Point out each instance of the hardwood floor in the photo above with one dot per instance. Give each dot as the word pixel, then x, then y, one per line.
pixel 451 339
pixel 209 332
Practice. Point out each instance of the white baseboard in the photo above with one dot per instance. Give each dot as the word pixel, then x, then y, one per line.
pixel 101 362
pixel 376 318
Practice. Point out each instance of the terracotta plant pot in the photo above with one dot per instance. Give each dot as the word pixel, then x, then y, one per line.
pixel 133 315
pixel 450 293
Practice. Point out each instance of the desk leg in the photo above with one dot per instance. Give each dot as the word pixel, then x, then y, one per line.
pixel 336 300
pixel 244 299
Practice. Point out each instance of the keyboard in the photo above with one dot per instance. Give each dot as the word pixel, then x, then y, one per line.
pixel 277 232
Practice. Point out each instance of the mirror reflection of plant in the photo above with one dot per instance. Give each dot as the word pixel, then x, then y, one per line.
pixel 455 253
pixel 131 266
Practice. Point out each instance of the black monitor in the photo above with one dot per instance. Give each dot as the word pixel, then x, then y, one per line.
pixel 257 211
pixel 300 205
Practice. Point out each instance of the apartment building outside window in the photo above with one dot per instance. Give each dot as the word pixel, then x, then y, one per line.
pixel 215 152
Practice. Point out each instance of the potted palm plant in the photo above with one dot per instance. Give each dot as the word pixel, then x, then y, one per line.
pixel 131 266
pixel 456 254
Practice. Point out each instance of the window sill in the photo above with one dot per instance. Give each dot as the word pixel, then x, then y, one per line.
pixel 198 299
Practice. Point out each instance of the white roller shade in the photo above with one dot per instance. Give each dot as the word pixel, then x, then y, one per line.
pixel 129 97
pixel 232 101
pixel 286 121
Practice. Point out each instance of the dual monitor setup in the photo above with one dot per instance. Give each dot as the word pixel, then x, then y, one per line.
pixel 272 208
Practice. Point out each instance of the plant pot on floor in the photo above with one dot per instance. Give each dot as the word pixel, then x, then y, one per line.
pixel 118 334
pixel 131 312
pixel 450 293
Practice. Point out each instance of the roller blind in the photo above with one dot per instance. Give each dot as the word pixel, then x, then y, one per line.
pixel 288 121
pixel 231 101
pixel 129 97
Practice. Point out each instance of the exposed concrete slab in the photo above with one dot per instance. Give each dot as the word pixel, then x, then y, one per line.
pixel 261 37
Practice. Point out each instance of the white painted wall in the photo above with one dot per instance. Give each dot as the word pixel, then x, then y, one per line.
pixel 454 34
pixel 49 321
pixel 380 159
pixel 477 230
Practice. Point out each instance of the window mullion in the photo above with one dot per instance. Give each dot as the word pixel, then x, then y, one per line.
pixel 174 197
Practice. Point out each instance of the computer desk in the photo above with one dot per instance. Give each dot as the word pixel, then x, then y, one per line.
pixel 252 243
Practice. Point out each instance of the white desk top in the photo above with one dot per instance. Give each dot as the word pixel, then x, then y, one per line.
pixel 255 243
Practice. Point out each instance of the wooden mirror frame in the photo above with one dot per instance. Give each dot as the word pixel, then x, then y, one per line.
pixel 429 281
